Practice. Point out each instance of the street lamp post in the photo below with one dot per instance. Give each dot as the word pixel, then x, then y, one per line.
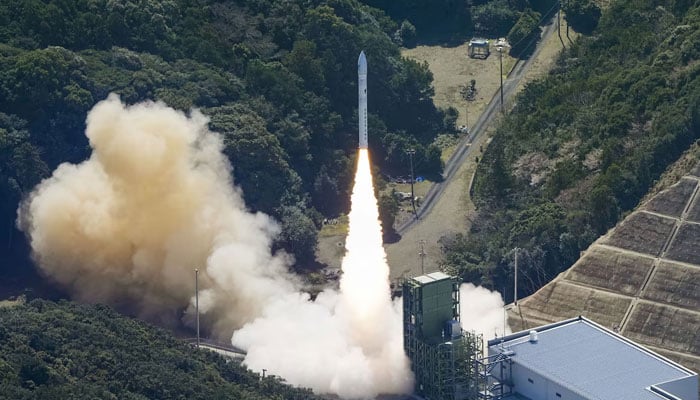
pixel 411 153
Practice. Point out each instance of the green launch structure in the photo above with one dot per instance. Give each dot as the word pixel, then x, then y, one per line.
pixel 445 359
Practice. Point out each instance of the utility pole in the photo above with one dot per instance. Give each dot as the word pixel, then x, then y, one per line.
pixel 559 26
pixel 466 116
pixel 500 62
pixel 196 300
pixel 422 255
pixel 411 153
pixel 515 290
pixel 505 316
pixel 567 27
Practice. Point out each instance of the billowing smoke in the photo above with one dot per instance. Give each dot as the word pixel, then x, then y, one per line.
pixel 347 342
pixel 155 200
pixel 481 311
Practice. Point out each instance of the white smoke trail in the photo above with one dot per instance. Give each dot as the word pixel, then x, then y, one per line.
pixel 349 342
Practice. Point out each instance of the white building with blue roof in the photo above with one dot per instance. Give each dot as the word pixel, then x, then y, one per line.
pixel 579 359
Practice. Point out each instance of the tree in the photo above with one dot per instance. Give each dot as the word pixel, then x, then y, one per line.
pixel 524 33
pixel 302 61
pixel 407 33
pixel 582 15
pixel 494 18
pixel 583 145
pixel 603 205
pixel 388 208
pixel 444 19
pixel 96 353
pixel 259 162
pixel 275 77
pixel 299 234
pixel 433 164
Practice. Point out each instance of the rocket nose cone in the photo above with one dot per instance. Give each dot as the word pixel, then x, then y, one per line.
pixel 362 64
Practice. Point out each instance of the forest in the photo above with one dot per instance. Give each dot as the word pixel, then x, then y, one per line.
pixel 582 146
pixel 276 79
pixel 67 351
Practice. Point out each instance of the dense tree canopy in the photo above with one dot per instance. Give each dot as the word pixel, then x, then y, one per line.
pixel 277 79
pixel 582 15
pixel 446 18
pixel 66 351
pixel 584 144
pixel 452 21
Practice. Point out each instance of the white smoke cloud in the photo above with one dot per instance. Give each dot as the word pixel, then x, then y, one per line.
pixel 311 344
pixel 348 342
pixel 155 200
pixel 481 311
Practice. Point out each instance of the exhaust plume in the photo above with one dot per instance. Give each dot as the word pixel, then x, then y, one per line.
pixel 481 310
pixel 347 342
pixel 155 200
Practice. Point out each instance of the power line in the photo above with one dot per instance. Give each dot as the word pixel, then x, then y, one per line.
pixel 544 17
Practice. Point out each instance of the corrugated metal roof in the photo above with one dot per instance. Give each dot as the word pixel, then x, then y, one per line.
pixel 592 361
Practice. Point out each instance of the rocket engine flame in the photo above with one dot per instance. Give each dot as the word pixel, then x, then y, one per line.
pixel 364 286
pixel 346 342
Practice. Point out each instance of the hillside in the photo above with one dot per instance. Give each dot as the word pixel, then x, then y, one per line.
pixel 642 278
pixel 583 145
pixel 67 351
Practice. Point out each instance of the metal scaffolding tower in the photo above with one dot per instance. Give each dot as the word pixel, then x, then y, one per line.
pixel 444 359
pixel 494 376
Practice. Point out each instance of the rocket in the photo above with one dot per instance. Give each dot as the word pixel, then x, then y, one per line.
pixel 362 98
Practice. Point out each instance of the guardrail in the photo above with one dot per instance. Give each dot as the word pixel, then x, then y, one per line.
pixel 215 345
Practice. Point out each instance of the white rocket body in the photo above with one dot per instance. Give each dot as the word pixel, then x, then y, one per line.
pixel 362 98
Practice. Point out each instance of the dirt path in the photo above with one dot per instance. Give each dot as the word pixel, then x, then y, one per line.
pixel 450 216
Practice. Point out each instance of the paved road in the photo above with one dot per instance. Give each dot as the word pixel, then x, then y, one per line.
pixel 493 108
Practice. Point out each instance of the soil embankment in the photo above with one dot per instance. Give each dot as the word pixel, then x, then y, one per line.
pixel 641 279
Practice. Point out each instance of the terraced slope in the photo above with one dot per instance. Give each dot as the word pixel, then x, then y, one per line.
pixel 642 278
